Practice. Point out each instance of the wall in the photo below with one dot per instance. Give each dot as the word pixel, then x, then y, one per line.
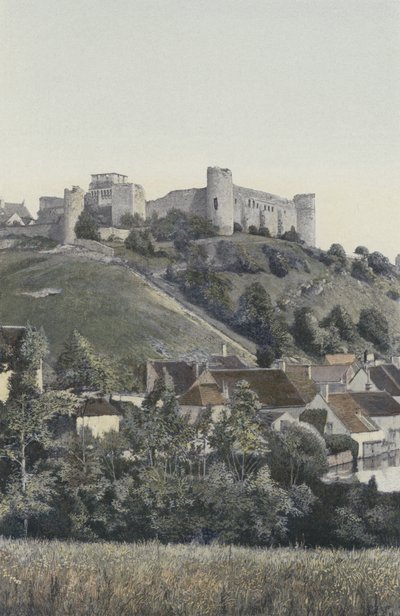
pixel 51 202
pixel 391 428
pixel 254 207
pixel 4 377
pixel 94 246
pixel 373 440
pixel 359 381
pixel 53 231
pixel 98 425
pixel 344 457
pixel 192 200
pixel 319 402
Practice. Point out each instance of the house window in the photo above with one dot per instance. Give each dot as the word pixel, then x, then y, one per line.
pixel 329 427
pixel 215 203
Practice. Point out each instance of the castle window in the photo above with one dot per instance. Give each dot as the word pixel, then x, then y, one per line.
pixel 253 203
pixel 272 209
pixel 269 209
pixel 215 203
pixel 249 202
pixel 235 200
pixel 265 207
pixel 257 205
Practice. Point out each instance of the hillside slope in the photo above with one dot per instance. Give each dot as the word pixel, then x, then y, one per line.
pixel 118 312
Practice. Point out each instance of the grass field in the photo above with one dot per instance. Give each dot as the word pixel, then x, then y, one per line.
pixel 60 579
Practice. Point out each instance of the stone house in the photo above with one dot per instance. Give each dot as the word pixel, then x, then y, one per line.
pixel 99 415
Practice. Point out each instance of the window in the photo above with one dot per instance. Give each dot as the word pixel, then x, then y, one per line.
pixel 265 207
pixel 329 427
pixel 215 203
pixel 249 202
pixel 269 209
pixel 272 208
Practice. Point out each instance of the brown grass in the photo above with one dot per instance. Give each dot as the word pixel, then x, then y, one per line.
pixel 59 579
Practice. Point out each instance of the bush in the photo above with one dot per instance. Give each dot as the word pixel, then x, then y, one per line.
pixel 337 443
pixel 237 227
pixel 182 241
pixel 380 264
pixel 315 417
pixel 253 230
pixel 362 250
pixel 165 229
pixel 338 252
pixel 236 258
pixel 86 228
pixel 341 319
pixel 373 326
pixel 264 232
pixel 140 242
pixel 265 356
pixel 278 264
pixel 361 271
pixel 291 236
pixel 128 220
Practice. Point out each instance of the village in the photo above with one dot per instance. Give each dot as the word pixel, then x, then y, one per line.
pixel 345 395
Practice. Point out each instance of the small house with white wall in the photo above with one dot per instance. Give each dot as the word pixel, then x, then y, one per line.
pixel 99 415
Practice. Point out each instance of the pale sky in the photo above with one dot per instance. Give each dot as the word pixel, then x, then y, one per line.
pixel 292 96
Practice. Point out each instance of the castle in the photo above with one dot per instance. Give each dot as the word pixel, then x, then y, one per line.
pixel 110 195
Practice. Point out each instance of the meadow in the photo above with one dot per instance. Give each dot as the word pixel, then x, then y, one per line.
pixel 104 579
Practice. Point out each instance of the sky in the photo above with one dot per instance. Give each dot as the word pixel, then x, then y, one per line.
pixel 293 96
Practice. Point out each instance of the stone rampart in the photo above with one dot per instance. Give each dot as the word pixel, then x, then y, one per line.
pixel 94 246
pixel 107 232
pixel 191 201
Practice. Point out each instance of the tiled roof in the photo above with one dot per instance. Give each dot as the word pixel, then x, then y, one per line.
pixel 97 407
pixel 377 403
pixel 231 362
pixel 340 358
pixel 387 378
pixel 203 392
pixel 299 376
pixel 351 414
pixel 14 208
pixel 182 373
pixel 273 387
pixel 329 374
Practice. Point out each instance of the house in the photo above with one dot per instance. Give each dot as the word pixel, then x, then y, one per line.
pixel 204 393
pixel 335 377
pixel 386 377
pixel 352 410
pixel 340 358
pixel 10 339
pixel 384 411
pixel 99 415
pixel 182 374
pixel 14 214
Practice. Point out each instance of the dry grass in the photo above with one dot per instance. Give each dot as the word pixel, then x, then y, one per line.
pixel 58 579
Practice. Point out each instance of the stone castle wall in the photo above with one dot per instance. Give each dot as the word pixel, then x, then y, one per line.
pixel 220 199
pixel 191 201
pixel 53 231
pixel 73 207
pixel 254 207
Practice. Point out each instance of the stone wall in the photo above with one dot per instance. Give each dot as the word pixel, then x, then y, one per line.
pixel 192 200
pixel 344 457
pixel 254 207
pixel 120 234
pixel 73 207
pixel 52 231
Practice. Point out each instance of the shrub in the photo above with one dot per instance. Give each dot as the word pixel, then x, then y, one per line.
pixel 337 443
pixel 140 242
pixel 361 271
pixel 128 220
pixel 253 230
pixel 265 356
pixel 373 326
pixel 264 232
pixel 182 241
pixel 315 417
pixel 86 228
pixel 338 252
pixel 341 319
pixel 278 264
pixel 362 250
pixel 235 258
pixel 237 227
pixel 380 264
pixel 291 236
pixel 165 229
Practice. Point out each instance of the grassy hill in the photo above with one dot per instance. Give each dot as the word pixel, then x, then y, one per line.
pixel 120 314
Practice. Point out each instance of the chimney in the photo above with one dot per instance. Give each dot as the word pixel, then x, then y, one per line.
pixel 309 372
pixel 224 350
pixel 196 369
pixel 327 392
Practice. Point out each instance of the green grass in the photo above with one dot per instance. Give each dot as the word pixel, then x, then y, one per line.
pixel 60 579
pixel 115 310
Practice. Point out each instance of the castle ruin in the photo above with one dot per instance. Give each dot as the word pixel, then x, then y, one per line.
pixel 110 195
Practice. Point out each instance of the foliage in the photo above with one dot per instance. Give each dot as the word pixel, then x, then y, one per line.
pixel 80 368
pixel 208 289
pixel 341 319
pixel 297 455
pixel 380 264
pixel 265 356
pixel 337 443
pixel 307 332
pixel 237 227
pixel 291 235
pixel 278 264
pixel 255 318
pixel 373 326
pixel 338 252
pixel 264 232
pixel 86 227
pixel 140 241
pixel 362 250
pixel 164 229
pixel 253 230
pixel 316 418
pixel 128 220
pixel 361 271
pixel 236 258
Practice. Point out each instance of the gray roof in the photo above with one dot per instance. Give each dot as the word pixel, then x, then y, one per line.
pixel 14 208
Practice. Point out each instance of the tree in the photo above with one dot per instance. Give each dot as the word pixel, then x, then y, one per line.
pixel 361 271
pixel 128 220
pixel 297 455
pixel 255 318
pixel 306 330
pixel 341 319
pixel 182 241
pixel 140 242
pixel 278 264
pixel 253 230
pixel 362 250
pixel 86 227
pixel 25 424
pixel 265 356
pixel 79 368
pixel 373 326
pixel 337 251
pixel 291 236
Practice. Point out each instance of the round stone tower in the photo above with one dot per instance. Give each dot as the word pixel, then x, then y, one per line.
pixel 220 199
pixel 305 212
pixel 73 207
